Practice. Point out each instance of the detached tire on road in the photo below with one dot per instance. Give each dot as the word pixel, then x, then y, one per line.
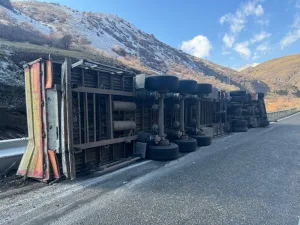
pixel 162 83
pixel 162 153
pixel 189 145
pixel 202 140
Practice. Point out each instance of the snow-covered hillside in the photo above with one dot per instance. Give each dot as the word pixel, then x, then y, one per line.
pixel 247 66
pixel 112 35
pixel 105 33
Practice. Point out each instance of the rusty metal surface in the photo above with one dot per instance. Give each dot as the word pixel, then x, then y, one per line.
pixel 32 162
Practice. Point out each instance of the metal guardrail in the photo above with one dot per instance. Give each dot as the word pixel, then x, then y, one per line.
pixel 11 152
pixel 273 116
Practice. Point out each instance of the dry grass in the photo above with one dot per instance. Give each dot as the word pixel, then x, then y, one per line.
pixel 281 103
pixel 281 74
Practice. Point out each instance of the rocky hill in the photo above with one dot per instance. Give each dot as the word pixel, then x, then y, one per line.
pixel 105 34
pixel 281 74
pixel 30 30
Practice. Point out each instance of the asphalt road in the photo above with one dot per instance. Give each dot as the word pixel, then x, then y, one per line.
pixel 244 178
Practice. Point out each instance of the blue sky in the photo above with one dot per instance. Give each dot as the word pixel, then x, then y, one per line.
pixel 228 32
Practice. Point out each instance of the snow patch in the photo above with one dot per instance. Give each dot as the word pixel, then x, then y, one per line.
pixel 22 18
pixel 246 67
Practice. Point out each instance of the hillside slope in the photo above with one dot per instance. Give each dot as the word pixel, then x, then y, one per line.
pixel 114 37
pixel 281 74
pixel 34 29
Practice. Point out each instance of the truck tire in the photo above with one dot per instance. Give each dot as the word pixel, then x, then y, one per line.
pixel 204 89
pixel 264 123
pixel 237 111
pixel 238 98
pixel 240 129
pixel 202 140
pixel 239 123
pixel 162 83
pixel 187 86
pixel 252 123
pixel 188 145
pixel 238 93
pixel 162 153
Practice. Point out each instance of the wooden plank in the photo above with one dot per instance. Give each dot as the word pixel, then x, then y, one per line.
pixel 105 142
pixel 44 125
pixel 100 121
pixel 30 150
pixel 69 112
pixel 103 91
pixel 86 118
pixel 79 116
pixel 95 120
pixel 65 159
pixel 110 117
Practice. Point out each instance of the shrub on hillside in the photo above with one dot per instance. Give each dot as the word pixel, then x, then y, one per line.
pixel 120 51
pixel 15 33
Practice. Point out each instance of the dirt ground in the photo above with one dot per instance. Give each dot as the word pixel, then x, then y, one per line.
pixel 11 184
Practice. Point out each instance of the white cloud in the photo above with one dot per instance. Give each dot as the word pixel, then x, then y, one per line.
pixel 260 36
pixel 255 56
pixel 263 22
pixel 242 49
pixel 293 35
pixel 261 49
pixel 199 46
pixel 228 40
pixel 290 38
pixel 238 20
pixel 252 8
pixel 226 53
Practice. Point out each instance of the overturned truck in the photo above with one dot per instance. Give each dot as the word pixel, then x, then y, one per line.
pixel 87 116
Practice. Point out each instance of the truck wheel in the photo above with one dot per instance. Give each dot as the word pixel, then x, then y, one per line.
pixel 204 89
pixel 162 83
pixel 189 145
pixel 258 122
pixel 238 93
pixel 239 99
pixel 264 123
pixel 187 86
pixel 240 129
pixel 202 140
pixel 251 122
pixel 237 112
pixel 239 123
pixel 162 153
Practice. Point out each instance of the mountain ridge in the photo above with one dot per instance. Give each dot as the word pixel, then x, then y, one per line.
pixel 102 34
